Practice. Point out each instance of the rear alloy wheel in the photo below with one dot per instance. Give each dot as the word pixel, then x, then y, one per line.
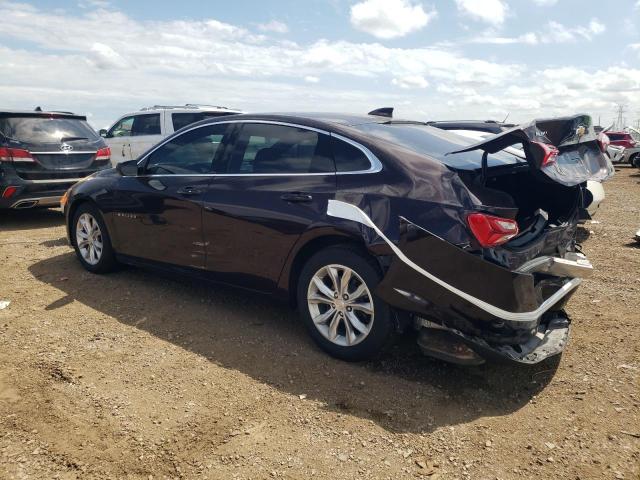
pixel 338 307
pixel 91 240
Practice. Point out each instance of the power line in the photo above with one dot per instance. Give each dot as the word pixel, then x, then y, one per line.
pixel 620 110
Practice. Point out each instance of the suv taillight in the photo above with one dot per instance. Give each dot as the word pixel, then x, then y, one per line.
pixel 491 231
pixel 15 155
pixel 103 154
pixel 603 142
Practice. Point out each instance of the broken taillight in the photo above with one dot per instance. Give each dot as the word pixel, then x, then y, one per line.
pixel 491 231
pixel 15 155
pixel 549 153
pixel 603 142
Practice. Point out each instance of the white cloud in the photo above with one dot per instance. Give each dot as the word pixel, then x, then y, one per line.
pixel 545 3
pixel 553 32
pixel 557 33
pixel 596 27
pixel 94 3
pixel 311 79
pixel 274 26
pixel 411 81
pixel 527 38
pixel 390 18
pixel 490 11
pixel 104 57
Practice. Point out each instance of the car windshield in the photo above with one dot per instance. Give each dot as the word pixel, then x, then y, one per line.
pixel 435 143
pixel 45 129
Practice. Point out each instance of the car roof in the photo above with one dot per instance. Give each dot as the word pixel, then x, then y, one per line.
pixel 490 126
pixel 312 119
pixel 34 113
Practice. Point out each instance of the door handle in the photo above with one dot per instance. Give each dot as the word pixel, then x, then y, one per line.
pixel 296 197
pixel 189 191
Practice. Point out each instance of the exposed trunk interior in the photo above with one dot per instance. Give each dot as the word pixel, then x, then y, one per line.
pixel 546 212
pixel 521 193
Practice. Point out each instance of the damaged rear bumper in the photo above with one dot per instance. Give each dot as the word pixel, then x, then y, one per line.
pixel 499 313
pixel 435 279
pixel 516 314
pixel 549 340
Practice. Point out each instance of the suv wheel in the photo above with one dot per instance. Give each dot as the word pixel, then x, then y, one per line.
pixel 338 307
pixel 91 240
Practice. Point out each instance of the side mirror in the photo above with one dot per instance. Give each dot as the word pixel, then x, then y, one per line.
pixel 103 132
pixel 128 169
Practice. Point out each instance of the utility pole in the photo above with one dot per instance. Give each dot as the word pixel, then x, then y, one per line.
pixel 620 110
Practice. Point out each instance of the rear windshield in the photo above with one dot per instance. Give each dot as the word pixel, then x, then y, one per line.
pixel 45 129
pixel 435 143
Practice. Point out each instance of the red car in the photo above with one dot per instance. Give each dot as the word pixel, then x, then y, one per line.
pixel 621 139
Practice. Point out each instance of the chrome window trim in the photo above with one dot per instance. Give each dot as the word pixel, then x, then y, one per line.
pixel 376 165
pixel 315 174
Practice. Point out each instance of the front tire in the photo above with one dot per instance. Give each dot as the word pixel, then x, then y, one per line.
pixel 338 307
pixel 91 240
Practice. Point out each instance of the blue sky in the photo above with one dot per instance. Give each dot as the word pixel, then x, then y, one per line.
pixel 431 60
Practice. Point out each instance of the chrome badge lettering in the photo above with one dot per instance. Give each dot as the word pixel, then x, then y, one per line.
pixel 126 215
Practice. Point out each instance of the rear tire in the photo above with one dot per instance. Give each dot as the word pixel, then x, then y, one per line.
pixel 91 240
pixel 338 307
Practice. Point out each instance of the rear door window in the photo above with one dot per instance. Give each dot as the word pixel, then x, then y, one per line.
pixel 279 149
pixel 39 130
pixel 348 158
pixel 146 125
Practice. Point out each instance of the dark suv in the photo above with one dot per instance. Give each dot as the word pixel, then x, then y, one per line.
pixel 43 153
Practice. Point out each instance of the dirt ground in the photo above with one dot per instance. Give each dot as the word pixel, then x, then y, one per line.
pixel 135 375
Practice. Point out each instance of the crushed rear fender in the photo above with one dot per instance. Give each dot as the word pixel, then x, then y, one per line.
pixel 429 276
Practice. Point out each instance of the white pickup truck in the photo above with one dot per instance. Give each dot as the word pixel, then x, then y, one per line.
pixel 134 133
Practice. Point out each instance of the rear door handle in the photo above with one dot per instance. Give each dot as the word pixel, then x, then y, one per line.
pixel 189 191
pixel 296 197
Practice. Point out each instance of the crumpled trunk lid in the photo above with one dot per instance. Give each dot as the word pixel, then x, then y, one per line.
pixel 575 157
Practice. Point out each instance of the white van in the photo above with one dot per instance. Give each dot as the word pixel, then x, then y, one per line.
pixel 134 133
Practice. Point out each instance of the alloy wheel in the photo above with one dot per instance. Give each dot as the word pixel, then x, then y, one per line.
pixel 340 305
pixel 89 239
